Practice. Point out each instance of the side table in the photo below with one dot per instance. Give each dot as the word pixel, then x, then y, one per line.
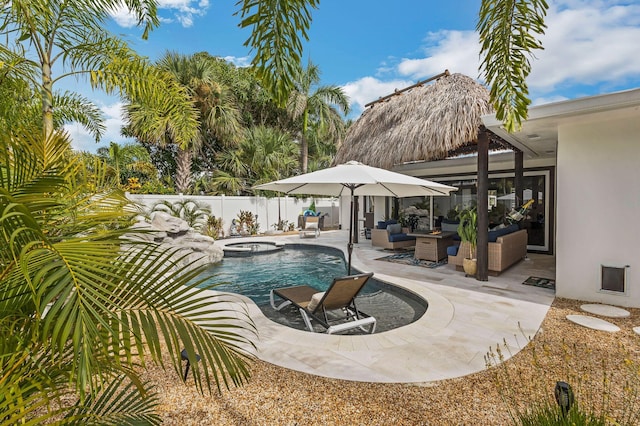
pixel 432 246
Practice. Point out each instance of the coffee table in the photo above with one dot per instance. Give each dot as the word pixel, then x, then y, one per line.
pixel 431 246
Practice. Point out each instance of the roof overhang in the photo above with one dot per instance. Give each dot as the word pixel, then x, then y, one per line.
pixel 538 136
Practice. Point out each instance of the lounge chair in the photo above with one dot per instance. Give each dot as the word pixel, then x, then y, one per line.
pixel 311 226
pixel 338 302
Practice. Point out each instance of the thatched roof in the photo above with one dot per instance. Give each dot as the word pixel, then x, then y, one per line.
pixel 425 123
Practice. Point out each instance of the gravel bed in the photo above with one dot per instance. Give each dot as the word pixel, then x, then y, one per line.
pixel 588 359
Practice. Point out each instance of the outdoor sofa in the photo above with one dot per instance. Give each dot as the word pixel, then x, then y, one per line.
pixel 506 248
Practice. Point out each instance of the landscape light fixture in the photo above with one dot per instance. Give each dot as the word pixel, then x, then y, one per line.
pixel 564 397
pixel 185 357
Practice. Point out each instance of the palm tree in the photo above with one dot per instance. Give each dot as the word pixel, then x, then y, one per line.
pixel 128 160
pixel 309 103
pixel 218 118
pixel 265 154
pixel 70 35
pixel 81 306
pixel 322 147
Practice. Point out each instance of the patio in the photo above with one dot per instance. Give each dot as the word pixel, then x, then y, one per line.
pixel 465 318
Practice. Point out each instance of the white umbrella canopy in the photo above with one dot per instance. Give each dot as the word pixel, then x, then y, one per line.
pixel 357 179
pixel 363 179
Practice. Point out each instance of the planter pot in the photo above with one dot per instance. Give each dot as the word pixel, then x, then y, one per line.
pixel 470 266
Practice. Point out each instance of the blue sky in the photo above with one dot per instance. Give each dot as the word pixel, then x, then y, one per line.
pixel 371 47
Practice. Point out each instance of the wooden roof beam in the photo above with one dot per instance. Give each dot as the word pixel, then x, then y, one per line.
pixel 399 92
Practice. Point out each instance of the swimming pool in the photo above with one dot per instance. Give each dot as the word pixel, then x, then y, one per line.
pixel 255 276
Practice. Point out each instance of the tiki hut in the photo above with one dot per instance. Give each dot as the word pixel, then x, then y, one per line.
pixel 427 122
pixel 423 122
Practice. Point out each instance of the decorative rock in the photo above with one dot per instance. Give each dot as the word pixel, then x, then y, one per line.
pixel 165 222
pixel 636 330
pixel 173 232
pixel 593 322
pixel 605 310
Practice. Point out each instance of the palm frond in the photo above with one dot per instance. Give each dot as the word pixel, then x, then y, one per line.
pixel 508 35
pixel 120 403
pixel 277 28
pixel 72 107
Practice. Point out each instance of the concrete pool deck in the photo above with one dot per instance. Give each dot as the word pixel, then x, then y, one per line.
pixel 464 319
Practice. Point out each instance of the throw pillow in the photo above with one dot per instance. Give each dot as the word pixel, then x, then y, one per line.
pixel 396 228
pixel 311 225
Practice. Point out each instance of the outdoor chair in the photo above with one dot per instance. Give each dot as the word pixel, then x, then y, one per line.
pixel 311 227
pixel 334 309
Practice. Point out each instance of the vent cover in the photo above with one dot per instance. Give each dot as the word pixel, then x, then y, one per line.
pixel 614 278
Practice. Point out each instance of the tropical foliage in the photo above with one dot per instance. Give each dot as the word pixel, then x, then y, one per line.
pixel 468 228
pixel 196 214
pixel 129 161
pixel 82 307
pixel 265 154
pixel 508 34
pixel 217 116
pixel 309 104
pixel 70 36
pixel 276 27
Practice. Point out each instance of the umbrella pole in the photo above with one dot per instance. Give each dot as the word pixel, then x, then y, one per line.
pixel 350 246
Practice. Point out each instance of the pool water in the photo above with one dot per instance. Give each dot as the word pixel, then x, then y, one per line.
pixel 316 266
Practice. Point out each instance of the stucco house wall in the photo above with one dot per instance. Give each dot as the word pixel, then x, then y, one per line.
pixel 598 205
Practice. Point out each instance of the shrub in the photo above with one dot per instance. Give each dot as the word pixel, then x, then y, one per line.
pixel 248 222
pixel 214 227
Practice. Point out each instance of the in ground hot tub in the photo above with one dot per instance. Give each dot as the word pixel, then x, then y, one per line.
pixel 251 248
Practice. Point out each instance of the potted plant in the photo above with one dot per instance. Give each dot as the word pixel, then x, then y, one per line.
pixel 468 232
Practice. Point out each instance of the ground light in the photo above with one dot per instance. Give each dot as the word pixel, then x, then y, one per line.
pixel 564 396
pixel 185 357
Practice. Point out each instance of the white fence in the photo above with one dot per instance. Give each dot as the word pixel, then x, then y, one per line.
pixel 266 209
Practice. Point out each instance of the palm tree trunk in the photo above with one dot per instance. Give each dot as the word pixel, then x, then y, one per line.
pixel 183 171
pixel 304 145
pixel 304 154
pixel 47 106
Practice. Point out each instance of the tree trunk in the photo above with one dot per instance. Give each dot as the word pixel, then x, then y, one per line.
pixel 304 146
pixel 47 106
pixel 183 171
pixel 304 154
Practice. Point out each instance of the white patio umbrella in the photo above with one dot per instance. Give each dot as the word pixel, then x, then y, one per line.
pixel 358 179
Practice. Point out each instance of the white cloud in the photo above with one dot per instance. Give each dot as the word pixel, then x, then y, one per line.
pixel 589 43
pixel 586 43
pixel 456 51
pixel 182 11
pixel 241 62
pixel 124 17
pixel 84 141
pixel 368 89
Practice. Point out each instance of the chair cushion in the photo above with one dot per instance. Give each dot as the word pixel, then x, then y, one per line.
pixel 394 228
pixel 315 299
pixel 452 250
pixel 393 238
